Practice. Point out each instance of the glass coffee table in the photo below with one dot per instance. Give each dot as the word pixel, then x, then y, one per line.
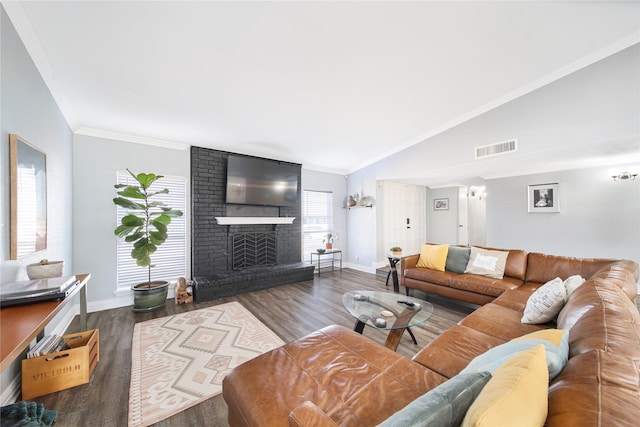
pixel 387 311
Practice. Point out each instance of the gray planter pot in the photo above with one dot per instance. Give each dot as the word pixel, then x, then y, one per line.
pixel 149 298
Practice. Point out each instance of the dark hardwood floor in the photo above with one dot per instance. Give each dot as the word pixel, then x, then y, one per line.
pixel 291 311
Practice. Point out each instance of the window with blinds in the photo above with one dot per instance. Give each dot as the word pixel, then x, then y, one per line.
pixel 317 220
pixel 170 259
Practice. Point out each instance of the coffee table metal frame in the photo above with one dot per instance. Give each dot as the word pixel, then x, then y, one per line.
pixel 331 252
pixel 368 307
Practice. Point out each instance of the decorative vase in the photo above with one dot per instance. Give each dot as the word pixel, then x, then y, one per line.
pixel 396 253
pixel 328 245
pixel 45 271
pixel 351 202
pixel 149 298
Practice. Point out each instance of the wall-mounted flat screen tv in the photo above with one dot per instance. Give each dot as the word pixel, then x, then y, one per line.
pixel 254 181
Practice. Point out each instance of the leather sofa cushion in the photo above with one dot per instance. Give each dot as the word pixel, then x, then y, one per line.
pixel 595 389
pixel 345 374
pixel 452 350
pixel 623 274
pixel 541 268
pixel 492 319
pixel 601 317
pixel 432 276
pixel 308 414
pixel 516 299
pixel 484 285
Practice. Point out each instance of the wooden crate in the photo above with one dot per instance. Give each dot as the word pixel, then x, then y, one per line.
pixel 64 369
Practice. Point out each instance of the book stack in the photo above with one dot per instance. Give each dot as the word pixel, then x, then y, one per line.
pixel 48 344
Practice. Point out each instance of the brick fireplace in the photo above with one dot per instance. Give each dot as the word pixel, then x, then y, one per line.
pixel 255 255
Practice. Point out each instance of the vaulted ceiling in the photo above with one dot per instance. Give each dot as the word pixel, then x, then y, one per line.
pixel 332 85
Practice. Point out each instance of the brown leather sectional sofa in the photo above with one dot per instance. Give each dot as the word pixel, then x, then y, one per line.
pixel 337 377
pixel 521 267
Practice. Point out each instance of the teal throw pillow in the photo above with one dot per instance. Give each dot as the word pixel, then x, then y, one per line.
pixel 457 259
pixel 445 405
pixel 556 345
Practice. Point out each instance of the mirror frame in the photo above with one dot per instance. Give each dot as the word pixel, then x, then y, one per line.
pixel 23 155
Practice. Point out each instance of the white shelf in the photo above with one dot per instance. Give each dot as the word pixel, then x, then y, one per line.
pixel 246 220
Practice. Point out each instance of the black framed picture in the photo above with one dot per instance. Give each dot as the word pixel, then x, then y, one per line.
pixel 544 198
pixel 440 204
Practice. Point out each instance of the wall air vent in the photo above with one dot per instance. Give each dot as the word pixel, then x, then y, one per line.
pixel 496 149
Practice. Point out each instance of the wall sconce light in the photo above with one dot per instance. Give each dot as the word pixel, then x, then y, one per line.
pixel 623 176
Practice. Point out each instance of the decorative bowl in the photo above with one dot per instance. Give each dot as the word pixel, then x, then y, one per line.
pixel 45 271
pixel 321 250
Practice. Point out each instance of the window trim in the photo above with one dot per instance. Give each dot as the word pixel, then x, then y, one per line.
pixel 307 248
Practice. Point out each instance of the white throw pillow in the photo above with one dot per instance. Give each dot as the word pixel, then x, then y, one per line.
pixel 485 262
pixel 572 283
pixel 545 303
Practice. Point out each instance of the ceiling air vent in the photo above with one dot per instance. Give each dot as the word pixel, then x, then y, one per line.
pixel 497 148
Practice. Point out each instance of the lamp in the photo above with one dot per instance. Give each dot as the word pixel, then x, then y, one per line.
pixel 622 176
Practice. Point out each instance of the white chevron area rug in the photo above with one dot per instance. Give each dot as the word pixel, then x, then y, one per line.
pixel 179 361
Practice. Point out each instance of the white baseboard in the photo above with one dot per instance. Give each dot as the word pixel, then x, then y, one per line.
pixel 359 267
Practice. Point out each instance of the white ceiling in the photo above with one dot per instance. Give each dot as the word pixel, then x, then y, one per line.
pixel 332 85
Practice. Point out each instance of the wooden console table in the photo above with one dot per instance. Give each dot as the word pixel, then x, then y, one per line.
pixel 21 324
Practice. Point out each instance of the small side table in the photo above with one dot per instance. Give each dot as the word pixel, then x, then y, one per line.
pixel 393 272
pixel 331 252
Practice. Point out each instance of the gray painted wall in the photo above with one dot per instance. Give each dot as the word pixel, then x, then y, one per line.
pixel 598 217
pixel 96 162
pixel 600 102
pixel 28 109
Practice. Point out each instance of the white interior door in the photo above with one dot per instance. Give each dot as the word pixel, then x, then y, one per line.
pixel 404 219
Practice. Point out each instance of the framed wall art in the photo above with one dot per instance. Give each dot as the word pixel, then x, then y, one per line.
pixel 544 198
pixel 440 204
pixel 28 194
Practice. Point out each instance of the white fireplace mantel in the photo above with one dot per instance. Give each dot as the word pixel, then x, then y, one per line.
pixel 245 220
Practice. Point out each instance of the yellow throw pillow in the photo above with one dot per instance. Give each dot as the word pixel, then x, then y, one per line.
pixel 516 395
pixel 554 336
pixel 433 256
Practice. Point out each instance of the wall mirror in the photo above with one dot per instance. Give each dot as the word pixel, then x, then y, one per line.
pixel 28 187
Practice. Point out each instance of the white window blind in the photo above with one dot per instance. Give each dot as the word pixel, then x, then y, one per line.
pixel 170 259
pixel 317 220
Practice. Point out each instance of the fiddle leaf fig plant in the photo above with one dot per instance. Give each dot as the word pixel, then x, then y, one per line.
pixel 146 221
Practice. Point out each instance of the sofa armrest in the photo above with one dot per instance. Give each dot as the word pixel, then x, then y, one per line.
pixel 308 414
pixel 409 261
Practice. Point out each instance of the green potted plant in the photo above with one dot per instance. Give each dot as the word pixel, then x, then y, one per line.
pixel 328 240
pixel 145 225
pixel 396 250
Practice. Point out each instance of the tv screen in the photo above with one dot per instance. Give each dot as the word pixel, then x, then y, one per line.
pixel 254 181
